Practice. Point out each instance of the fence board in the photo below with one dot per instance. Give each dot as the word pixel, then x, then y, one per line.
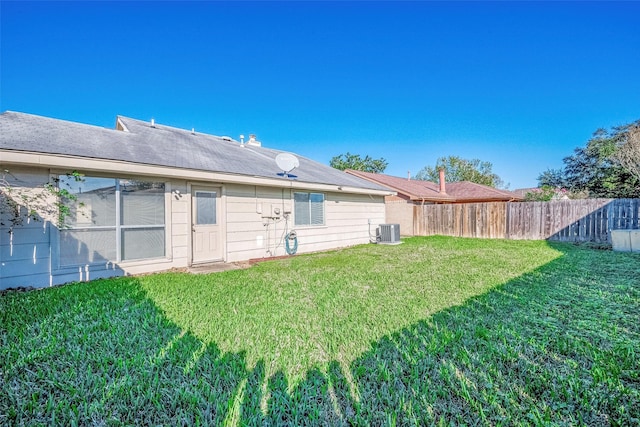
pixel 586 220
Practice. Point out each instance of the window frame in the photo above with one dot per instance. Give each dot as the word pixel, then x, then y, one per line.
pixel 196 219
pixel 309 222
pixel 122 228
pixel 119 228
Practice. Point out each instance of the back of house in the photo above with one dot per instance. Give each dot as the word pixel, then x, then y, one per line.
pixel 144 197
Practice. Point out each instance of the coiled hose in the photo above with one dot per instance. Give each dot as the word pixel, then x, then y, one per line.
pixel 292 236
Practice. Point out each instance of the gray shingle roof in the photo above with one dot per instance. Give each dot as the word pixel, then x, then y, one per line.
pixel 159 145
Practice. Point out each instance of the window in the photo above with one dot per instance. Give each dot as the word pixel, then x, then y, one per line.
pixel 308 208
pixel 113 220
pixel 205 207
pixel 142 219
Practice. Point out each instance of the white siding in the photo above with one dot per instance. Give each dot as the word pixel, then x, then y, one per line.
pixel 247 235
pixel 24 255
pixel 346 222
pixel 180 209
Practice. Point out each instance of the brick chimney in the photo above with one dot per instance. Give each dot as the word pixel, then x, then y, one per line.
pixel 442 182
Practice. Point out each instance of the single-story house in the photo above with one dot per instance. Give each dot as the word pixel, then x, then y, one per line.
pixel 400 206
pixel 155 197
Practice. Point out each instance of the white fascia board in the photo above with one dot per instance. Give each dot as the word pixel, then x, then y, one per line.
pixel 84 164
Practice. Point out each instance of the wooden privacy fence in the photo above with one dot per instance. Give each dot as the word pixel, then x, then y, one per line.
pixel 585 220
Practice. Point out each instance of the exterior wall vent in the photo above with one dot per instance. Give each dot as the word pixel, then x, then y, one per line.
pixel 388 234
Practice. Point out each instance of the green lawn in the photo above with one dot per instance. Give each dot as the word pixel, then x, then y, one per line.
pixel 434 331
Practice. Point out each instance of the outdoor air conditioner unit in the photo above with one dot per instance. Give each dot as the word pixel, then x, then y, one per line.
pixel 388 234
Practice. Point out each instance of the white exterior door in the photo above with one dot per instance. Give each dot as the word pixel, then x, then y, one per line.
pixel 206 238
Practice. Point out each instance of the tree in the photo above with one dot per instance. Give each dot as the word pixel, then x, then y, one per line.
pixel 544 194
pixel 599 169
pixel 355 162
pixel 553 178
pixel 458 169
pixel 628 152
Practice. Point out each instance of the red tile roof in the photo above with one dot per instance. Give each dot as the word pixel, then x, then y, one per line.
pixel 428 191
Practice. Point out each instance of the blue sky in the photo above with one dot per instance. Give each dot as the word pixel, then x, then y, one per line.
pixel 517 84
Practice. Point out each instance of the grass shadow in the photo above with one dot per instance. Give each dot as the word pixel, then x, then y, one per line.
pixel 559 344
pixel 103 354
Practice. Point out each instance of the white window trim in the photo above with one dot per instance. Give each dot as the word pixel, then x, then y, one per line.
pixel 324 210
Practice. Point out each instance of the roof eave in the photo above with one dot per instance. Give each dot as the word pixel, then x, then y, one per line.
pixel 413 197
pixel 435 199
pixel 84 164
pixel 486 200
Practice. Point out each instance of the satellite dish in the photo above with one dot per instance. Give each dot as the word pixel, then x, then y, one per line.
pixel 287 162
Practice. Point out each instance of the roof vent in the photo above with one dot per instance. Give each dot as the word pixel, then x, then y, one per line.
pixel 253 141
pixel 153 123
pixel 241 140
pixel 193 131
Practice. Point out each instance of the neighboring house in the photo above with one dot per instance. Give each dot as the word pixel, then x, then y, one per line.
pixel 399 207
pixel 155 197
pixel 546 193
pixel 522 192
